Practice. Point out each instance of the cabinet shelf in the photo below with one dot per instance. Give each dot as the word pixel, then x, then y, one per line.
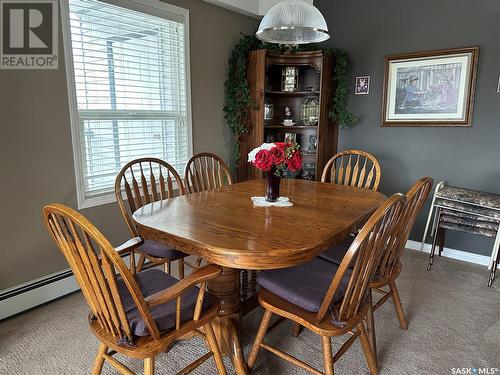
pixel 291 127
pixel 291 93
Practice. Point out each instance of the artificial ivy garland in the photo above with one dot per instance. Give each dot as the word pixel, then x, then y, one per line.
pixel 237 97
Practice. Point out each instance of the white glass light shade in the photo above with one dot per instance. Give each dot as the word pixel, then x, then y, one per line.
pixel 293 22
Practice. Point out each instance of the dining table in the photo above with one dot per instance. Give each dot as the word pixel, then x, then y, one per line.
pixel 224 227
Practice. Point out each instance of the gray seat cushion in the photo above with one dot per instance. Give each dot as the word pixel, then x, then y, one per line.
pixel 304 285
pixel 150 282
pixel 336 253
pixel 159 250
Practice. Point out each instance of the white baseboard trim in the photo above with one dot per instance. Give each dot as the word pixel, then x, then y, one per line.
pixel 465 256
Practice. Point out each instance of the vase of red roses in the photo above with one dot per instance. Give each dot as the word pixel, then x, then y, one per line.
pixel 274 159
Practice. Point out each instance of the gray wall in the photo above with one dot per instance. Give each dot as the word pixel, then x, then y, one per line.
pixel 36 159
pixel 469 157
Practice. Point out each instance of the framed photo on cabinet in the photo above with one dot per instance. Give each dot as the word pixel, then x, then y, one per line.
pixel 434 88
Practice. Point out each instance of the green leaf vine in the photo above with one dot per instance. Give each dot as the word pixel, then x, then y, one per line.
pixel 237 97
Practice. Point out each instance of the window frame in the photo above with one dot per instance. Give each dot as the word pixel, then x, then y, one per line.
pixel 155 8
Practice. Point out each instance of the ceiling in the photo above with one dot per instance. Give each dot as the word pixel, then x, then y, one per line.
pixel 252 8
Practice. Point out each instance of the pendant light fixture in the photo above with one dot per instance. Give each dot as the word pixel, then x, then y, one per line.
pixel 293 22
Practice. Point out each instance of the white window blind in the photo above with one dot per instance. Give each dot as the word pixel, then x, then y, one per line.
pixel 131 91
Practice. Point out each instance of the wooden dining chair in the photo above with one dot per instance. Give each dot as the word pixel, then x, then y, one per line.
pixel 206 171
pixel 144 181
pixel 390 265
pixel 354 168
pixel 329 299
pixel 137 315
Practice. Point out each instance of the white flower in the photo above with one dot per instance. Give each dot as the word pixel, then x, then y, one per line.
pixel 251 154
pixel 264 146
pixel 267 146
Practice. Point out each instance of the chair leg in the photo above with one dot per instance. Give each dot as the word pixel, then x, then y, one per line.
pixel 296 328
pixel 434 241
pixel 326 343
pixel 365 343
pixel 494 266
pixel 441 236
pixel 370 325
pixel 261 333
pixel 99 360
pixel 181 268
pixel 214 347
pixel 493 272
pixel 427 224
pixel 149 366
pixel 140 263
pixel 133 268
pixel 398 305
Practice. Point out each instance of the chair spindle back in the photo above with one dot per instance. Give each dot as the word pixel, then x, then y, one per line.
pixel 144 181
pixel 206 171
pixel 354 168
pixel 95 264
pixel 364 255
pixel 415 200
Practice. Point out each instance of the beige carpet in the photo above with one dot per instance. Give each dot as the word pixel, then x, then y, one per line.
pixel 454 322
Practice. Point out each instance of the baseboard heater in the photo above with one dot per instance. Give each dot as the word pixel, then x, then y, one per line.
pixel 35 284
pixel 39 291
pixel 36 292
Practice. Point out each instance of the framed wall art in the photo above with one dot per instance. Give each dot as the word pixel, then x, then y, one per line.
pixel 434 88
pixel 362 86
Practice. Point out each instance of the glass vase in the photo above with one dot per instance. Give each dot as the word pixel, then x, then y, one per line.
pixel 272 186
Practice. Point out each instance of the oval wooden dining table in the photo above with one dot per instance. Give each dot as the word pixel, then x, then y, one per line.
pixel 225 228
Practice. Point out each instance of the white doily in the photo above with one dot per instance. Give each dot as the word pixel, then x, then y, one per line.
pixel 281 202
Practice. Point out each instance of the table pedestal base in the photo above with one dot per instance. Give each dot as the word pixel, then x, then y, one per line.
pixel 227 325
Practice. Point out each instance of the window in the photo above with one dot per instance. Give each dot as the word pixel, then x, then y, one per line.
pixel 128 79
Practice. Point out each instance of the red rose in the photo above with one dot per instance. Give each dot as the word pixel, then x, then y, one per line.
pixel 295 162
pixel 278 155
pixel 280 144
pixel 263 160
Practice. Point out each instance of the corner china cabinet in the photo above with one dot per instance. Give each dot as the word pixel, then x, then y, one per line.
pixel 291 99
